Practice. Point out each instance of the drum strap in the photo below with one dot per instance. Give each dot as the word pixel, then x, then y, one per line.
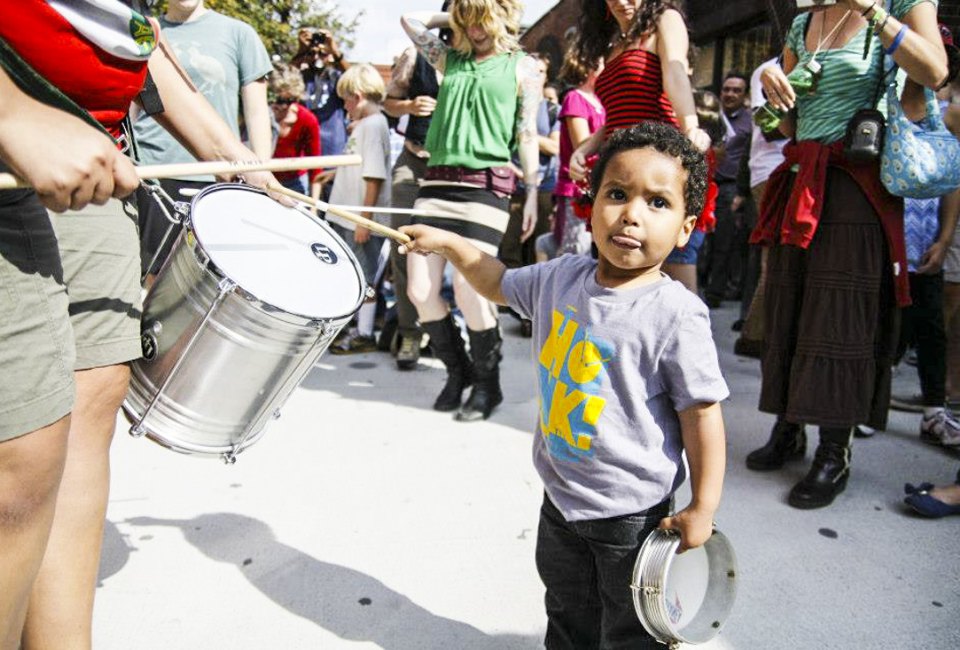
pixel 34 84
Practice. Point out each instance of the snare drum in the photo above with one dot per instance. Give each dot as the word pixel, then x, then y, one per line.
pixel 684 598
pixel 251 296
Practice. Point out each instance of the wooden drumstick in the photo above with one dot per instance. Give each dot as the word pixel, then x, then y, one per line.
pixel 395 235
pixel 147 172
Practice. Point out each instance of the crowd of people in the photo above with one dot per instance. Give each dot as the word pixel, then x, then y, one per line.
pixel 608 209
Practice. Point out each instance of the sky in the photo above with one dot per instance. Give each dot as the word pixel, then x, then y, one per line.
pixel 379 36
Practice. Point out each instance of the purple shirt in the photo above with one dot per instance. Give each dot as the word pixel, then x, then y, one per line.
pixel 575 104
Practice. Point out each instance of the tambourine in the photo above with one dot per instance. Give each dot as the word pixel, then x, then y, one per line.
pixel 684 598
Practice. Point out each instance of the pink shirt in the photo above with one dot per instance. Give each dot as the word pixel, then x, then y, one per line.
pixel 575 104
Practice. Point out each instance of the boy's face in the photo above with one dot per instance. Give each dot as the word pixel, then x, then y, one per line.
pixel 353 102
pixel 639 216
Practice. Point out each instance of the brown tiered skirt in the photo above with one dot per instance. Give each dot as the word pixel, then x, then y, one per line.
pixel 831 318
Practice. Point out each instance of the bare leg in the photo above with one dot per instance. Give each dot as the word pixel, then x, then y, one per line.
pixel 479 313
pixel 949 494
pixel 61 605
pixel 424 282
pixel 30 470
pixel 685 274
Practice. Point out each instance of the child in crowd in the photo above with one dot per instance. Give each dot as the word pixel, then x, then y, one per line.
pixel 629 380
pixel 362 90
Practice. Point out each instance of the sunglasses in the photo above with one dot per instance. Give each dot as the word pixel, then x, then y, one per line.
pixel 284 101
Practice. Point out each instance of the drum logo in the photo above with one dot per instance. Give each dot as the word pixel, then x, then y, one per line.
pixel 323 253
pixel 674 609
pixel 148 345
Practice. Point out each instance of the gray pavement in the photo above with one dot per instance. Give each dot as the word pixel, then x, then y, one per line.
pixel 363 519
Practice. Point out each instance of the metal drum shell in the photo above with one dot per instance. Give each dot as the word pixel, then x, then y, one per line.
pixel 650 577
pixel 243 363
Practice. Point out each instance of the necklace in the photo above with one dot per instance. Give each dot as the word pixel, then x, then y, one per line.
pixel 813 65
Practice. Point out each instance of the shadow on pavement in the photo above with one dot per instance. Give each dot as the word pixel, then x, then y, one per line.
pixel 115 553
pixel 350 604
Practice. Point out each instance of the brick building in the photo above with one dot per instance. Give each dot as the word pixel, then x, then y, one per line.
pixel 726 34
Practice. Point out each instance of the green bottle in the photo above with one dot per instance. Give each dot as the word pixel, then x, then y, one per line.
pixel 803 79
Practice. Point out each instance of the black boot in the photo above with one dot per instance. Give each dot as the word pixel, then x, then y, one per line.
pixel 485 350
pixel 826 479
pixel 788 441
pixel 447 345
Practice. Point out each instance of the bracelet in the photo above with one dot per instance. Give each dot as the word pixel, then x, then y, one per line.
pixel 897 40
pixel 880 17
pixel 867 10
pixel 878 28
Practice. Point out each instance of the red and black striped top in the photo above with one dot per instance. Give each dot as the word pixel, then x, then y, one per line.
pixel 631 89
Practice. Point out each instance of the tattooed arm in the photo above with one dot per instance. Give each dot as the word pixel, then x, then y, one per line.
pixel 417 25
pixel 530 90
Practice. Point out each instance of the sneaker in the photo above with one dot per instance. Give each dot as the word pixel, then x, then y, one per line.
pixel 863 431
pixel 408 352
pixel 354 344
pixel 910 403
pixel 941 428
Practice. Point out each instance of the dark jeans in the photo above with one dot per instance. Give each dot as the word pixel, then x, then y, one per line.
pixel 922 326
pixel 725 256
pixel 587 567
pixel 514 253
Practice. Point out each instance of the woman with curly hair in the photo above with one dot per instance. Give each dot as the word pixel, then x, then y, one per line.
pixel 645 44
pixel 486 108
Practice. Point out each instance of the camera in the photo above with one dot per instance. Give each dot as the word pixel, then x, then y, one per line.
pixel 811 4
pixel 318 39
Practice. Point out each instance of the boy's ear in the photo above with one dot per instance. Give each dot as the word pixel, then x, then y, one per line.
pixel 686 229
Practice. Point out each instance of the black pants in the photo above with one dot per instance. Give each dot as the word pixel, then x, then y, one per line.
pixel 587 567
pixel 922 327
pixel 725 256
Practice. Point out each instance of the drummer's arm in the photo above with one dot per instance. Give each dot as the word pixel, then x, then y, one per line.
pixel 190 118
pixel 701 427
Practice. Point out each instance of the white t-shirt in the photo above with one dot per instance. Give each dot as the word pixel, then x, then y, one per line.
pixel 764 156
pixel 371 140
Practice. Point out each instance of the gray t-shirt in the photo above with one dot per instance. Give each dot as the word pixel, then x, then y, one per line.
pixel 221 55
pixel 370 139
pixel 614 367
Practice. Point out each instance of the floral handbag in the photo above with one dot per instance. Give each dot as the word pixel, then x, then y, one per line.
pixel 920 160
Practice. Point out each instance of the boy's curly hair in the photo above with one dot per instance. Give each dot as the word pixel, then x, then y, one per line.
pixel 667 140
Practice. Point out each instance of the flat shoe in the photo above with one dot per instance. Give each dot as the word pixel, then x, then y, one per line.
pixel 910 488
pixel 926 505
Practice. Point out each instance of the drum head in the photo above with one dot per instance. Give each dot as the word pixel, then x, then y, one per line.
pixel 279 255
pixel 684 598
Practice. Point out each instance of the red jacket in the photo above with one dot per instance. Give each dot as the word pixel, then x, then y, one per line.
pixel 790 214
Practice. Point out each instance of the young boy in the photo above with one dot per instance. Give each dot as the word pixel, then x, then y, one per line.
pixel 628 378
pixel 362 90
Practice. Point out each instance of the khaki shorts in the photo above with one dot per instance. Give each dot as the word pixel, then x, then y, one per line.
pixel 69 300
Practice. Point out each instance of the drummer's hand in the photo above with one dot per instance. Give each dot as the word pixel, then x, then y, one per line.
pixel 425 240
pixel 86 167
pixel 265 181
pixel 361 235
pixel 695 527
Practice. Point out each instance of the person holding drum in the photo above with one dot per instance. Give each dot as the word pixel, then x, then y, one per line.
pixel 629 382
pixel 70 304
pixel 487 105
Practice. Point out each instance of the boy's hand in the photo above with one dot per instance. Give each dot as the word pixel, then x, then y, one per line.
pixel 361 235
pixel 695 527
pixel 426 240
